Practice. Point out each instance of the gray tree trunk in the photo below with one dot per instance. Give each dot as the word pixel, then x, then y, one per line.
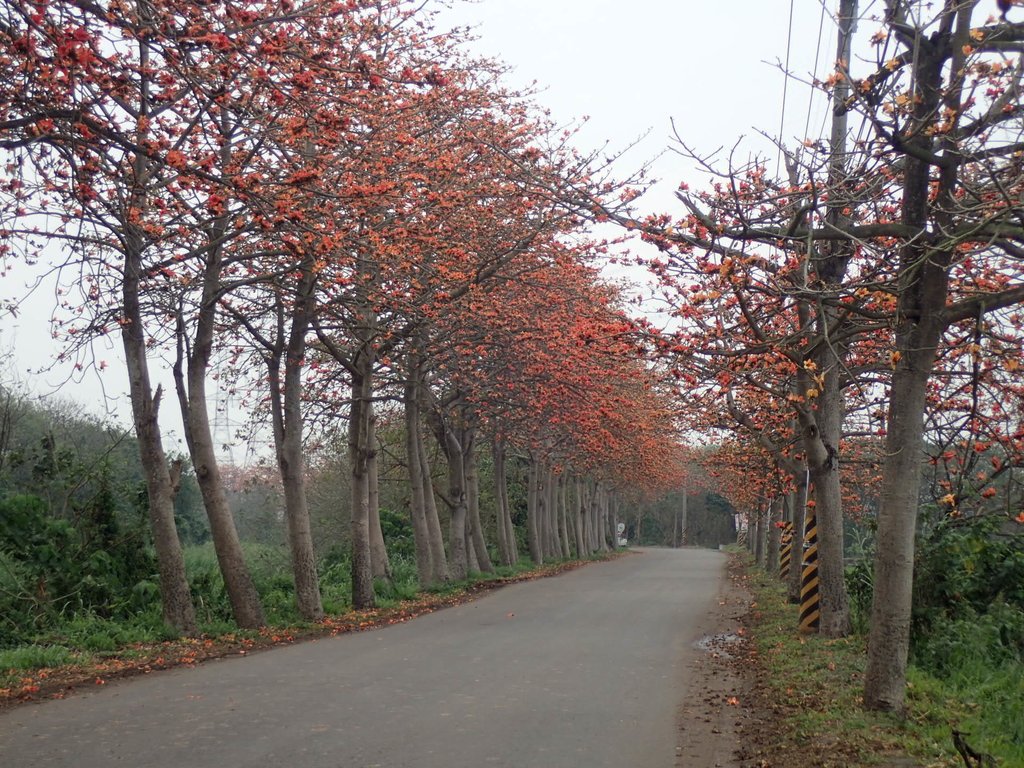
pixel 438 557
pixel 553 549
pixel 483 557
pixel 503 524
pixel 564 535
pixel 684 518
pixel 192 397
pixel 359 450
pixel 774 535
pixel 532 504
pixel 577 520
pixel 889 637
pixel 286 417
pixel 380 564
pixel 828 496
pixel 759 534
pixel 458 563
pixel 600 519
pixel 417 502
pixel 797 559
pixel 923 283
pixel 175 595
pixel 472 564
pixel 613 522
pixel 594 520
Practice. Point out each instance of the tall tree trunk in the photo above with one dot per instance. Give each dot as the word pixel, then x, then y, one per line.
pixel 543 531
pixel 458 563
pixel 889 637
pixel 594 519
pixel 611 519
pixel 438 557
pixel 797 559
pixel 483 557
pixel 192 397
pixel 684 516
pixel 820 376
pixel 774 535
pixel 586 514
pixel 601 526
pixel 828 496
pixel 563 523
pixel 286 416
pixel 175 595
pixel 506 534
pixel 380 565
pixel 923 290
pixel 532 512
pixel 417 500
pixel 607 522
pixel 577 520
pixel 359 453
pixel 472 564
pixel 553 547
pixel 756 531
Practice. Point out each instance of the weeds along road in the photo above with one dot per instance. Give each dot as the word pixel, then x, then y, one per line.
pixel 585 669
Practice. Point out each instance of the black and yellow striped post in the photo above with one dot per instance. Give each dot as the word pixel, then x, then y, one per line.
pixel 810 609
pixel 786 552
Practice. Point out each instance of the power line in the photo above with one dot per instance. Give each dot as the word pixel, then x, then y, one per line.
pixel 785 87
pixel 814 71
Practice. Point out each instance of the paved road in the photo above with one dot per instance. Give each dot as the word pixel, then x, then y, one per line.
pixel 585 669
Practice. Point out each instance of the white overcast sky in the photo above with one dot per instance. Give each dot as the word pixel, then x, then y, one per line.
pixel 631 67
pixel 635 66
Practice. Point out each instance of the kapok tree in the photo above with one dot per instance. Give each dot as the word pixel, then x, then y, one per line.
pixel 81 130
pixel 944 109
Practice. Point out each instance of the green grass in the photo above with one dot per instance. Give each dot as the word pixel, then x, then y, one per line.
pixel 815 687
pixel 35 656
pixel 985 702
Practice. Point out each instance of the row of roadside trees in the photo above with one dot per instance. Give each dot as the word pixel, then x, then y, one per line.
pixel 337 212
pixel 332 210
pixel 854 320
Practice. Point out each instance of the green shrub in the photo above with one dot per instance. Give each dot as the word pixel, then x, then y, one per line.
pixel 398 536
pixel 207 584
pixel 52 569
pixel 994 638
pixel 968 595
pixel 860 588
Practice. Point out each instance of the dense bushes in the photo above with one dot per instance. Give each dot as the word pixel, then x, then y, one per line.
pixel 968 594
pixel 77 568
pixel 53 568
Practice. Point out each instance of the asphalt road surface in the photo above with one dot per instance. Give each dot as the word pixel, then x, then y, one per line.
pixel 587 669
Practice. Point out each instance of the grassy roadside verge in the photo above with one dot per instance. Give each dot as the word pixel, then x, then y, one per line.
pixel 54 671
pixel 806 691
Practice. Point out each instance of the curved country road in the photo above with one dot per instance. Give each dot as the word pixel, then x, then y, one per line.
pixel 590 668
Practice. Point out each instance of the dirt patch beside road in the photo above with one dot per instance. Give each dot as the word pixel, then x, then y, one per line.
pixel 716 715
